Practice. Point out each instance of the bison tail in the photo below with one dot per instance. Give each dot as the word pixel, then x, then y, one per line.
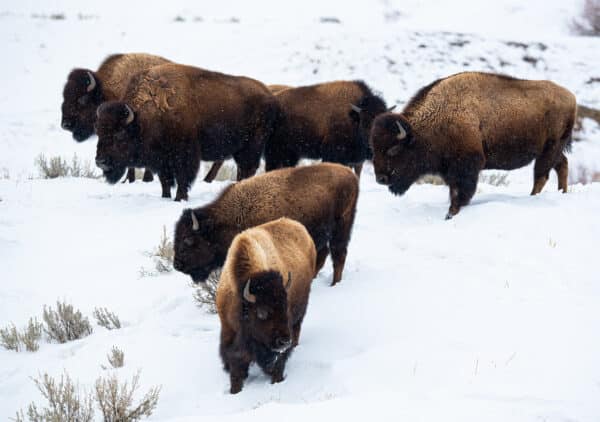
pixel 567 136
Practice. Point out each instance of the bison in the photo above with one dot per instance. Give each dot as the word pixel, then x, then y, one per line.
pixel 322 197
pixel 276 88
pixel 172 116
pixel 85 90
pixel 262 297
pixel 329 121
pixel 457 126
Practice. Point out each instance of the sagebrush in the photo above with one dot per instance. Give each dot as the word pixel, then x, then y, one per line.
pixel 116 400
pixel 65 323
pixel 162 256
pixel 66 402
pixel 588 22
pixel 206 293
pixel 116 358
pixel 29 336
pixel 57 166
pixel 107 319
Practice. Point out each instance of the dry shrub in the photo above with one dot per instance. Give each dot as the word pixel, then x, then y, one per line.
pixel 588 23
pixel 53 167
pixel 494 179
pixel 107 319
pixel 116 358
pixel 12 339
pixel 162 256
pixel 31 335
pixel 65 402
pixel 206 293
pixel 115 400
pixel 65 324
pixel 9 338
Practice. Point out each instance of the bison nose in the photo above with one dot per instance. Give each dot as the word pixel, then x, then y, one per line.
pixel 283 343
pixel 66 125
pixel 383 179
pixel 101 163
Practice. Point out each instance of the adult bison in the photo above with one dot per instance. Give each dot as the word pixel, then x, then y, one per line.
pixel 322 197
pixel 329 121
pixel 262 297
pixel 462 124
pixel 172 116
pixel 85 90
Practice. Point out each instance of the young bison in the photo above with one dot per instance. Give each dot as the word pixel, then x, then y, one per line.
pixel 460 125
pixel 172 116
pixel 262 298
pixel 85 90
pixel 322 197
pixel 329 121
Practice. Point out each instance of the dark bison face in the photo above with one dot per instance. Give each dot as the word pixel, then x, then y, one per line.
pixel 265 299
pixel 364 114
pixel 195 252
pixel 117 139
pixel 395 157
pixel 81 97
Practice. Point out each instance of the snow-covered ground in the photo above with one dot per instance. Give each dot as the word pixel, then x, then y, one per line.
pixel 491 316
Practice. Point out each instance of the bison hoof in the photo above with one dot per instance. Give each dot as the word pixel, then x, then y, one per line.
pixel 449 216
pixel 277 379
pixel 235 388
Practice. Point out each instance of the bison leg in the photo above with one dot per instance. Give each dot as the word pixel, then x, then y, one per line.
pixel 166 182
pixel 562 171
pixel 460 195
pixel 212 173
pixel 277 369
pixel 248 161
pixel 541 169
pixel 148 176
pixel 358 169
pixel 321 257
pixel 130 176
pixel 339 246
pixel 462 179
pixel 238 373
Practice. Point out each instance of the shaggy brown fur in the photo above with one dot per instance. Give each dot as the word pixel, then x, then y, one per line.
pixel 110 80
pixel 276 88
pixel 277 262
pixel 180 114
pixel 318 122
pixel 457 126
pixel 322 197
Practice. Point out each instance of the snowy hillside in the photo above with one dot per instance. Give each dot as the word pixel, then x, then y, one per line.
pixel 491 316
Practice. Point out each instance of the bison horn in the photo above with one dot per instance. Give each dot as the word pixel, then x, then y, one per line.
pixel 401 131
pixel 391 108
pixel 195 224
pixel 355 108
pixel 289 280
pixel 92 82
pixel 247 295
pixel 130 114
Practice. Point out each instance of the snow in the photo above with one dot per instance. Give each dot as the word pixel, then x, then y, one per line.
pixel 490 316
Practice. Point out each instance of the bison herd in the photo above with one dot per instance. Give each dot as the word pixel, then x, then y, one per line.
pixel 272 233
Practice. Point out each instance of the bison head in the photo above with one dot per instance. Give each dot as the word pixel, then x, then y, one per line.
pixel 265 318
pixel 397 157
pixel 363 114
pixel 196 253
pixel 118 140
pixel 82 95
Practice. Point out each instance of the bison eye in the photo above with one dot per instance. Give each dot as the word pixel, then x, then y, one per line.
pixel 262 314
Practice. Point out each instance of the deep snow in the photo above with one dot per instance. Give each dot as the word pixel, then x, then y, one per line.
pixel 490 316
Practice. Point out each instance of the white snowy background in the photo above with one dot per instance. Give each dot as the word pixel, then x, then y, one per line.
pixel 490 316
